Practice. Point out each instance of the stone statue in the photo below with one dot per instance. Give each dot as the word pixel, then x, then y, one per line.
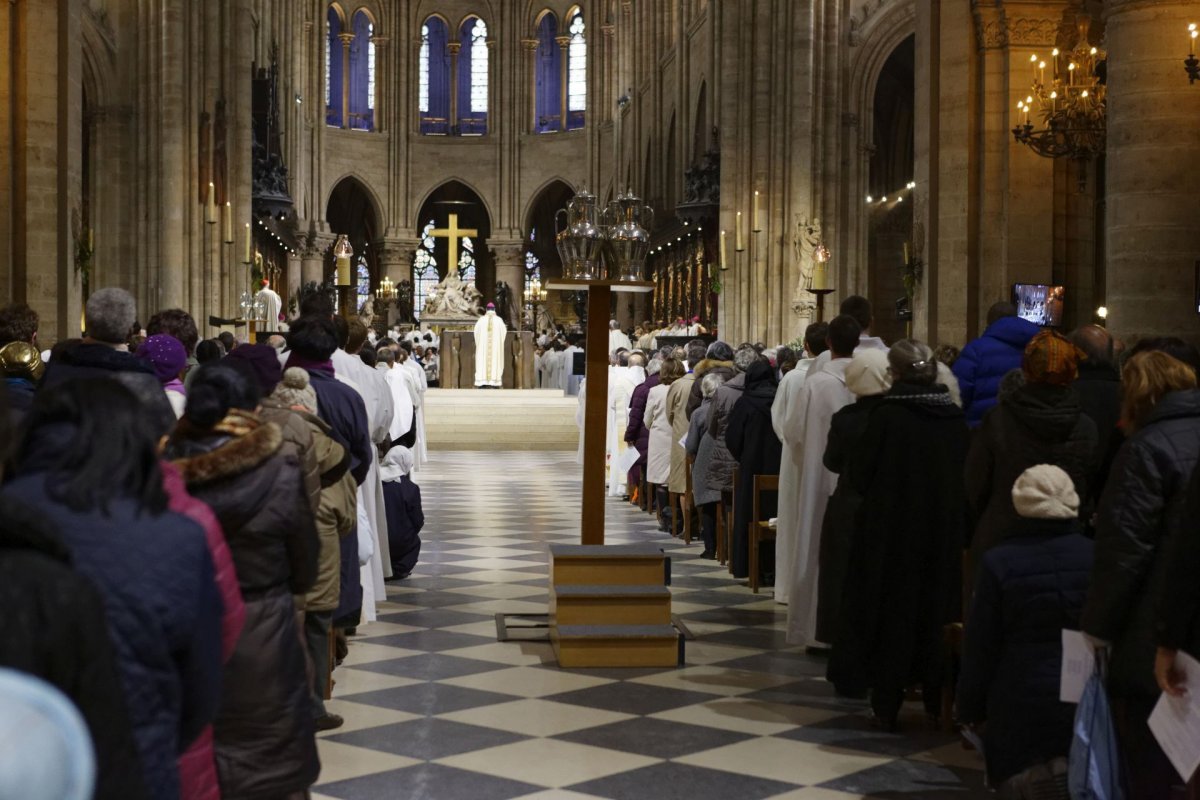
pixel 404 302
pixel 805 241
pixel 367 312
pixel 504 304
pixel 454 297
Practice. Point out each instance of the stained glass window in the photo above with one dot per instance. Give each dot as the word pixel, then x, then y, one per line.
pixel 472 78
pixel 364 281
pixel 433 68
pixel 362 73
pixel 423 72
pixel 576 74
pixel 548 69
pixel 466 261
pixel 371 67
pixel 479 68
pixel 425 273
pixel 533 270
pixel 334 68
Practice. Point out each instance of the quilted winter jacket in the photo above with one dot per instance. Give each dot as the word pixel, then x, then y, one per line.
pixel 335 514
pixel 1140 516
pixel 299 435
pixel 989 358
pixel 722 464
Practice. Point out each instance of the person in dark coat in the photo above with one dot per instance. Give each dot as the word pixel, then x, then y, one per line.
pixel 903 583
pixel 699 449
pixel 1177 624
pixel 719 358
pixel 1030 587
pixel 402 500
pixel 722 463
pixel 241 467
pixel 984 361
pixel 636 432
pixel 90 468
pixel 1141 516
pixel 1099 389
pixel 55 629
pixel 868 378
pixel 313 340
pixel 751 439
pixel 1040 422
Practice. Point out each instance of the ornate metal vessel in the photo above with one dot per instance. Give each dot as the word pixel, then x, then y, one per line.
pixel 579 244
pixel 627 236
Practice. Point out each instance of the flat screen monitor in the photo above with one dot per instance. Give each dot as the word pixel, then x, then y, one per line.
pixel 1039 303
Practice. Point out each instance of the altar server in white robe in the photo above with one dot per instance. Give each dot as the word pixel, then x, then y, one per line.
pixel 823 394
pixel 621 383
pixel 419 383
pixel 273 304
pixel 377 398
pixel 403 408
pixel 552 367
pixel 569 382
pixel 617 340
pixel 490 333
pixel 859 308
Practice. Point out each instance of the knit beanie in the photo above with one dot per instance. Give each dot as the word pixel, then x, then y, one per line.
pixel 867 373
pixel 1051 358
pixel 261 361
pixel 1045 492
pixel 165 354
pixel 294 389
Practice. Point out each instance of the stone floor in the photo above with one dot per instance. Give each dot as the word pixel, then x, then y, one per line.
pixel 437 709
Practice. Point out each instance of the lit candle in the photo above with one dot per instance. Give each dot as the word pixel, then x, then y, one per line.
pixel 246 260
pixel 91 240
pixel 211 213
pixel 906 253
pixel 343 270
pixel 228 222
pixel 739 245
pixel 1042 68
pixel 757 218
pixel 723 265
pixel 1192 42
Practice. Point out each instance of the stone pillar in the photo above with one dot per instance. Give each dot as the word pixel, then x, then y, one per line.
pixel 293 278
pixel 395 261
pixel 1153 241
pixel 312 259
pixel 454 48
pixel 380 42
pixel 564 42
pixel 531 46
pixel 347 39
pixel 510 268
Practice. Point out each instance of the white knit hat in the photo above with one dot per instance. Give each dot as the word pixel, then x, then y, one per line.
pixel 294 389
pixel 1045 492
pixel 867 373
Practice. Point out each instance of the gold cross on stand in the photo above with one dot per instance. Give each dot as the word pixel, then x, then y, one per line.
pixel 452 233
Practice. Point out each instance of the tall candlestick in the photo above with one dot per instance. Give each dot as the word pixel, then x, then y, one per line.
pixel 343 270
pixel 756 219
pixel 724 266
pixel 210 214
pixel 227 221
pixel 246 260
pixel 91 240
pixel 906 253
pixel 738 244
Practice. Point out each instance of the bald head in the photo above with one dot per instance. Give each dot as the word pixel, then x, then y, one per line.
pixel 1096 343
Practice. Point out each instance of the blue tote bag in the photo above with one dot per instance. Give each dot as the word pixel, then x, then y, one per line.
pixel 1095 765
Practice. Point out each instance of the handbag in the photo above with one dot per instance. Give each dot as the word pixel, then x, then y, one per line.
pixel 1094 769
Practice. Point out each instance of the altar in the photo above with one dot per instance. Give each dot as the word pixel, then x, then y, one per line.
pixel 457 355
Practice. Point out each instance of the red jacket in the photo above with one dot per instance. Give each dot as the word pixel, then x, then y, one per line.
pixel 197 770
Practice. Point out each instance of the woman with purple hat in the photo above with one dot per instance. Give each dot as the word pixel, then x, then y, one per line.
pixel 168 357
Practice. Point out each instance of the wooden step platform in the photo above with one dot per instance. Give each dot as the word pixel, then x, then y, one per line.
pixel 501 419
pixel 610 607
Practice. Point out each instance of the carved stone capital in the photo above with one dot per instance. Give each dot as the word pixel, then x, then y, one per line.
pixel 380 41
pixel 563 41
pixel 347 39
pixel 1027 32
pixel 531 45
pixel 454 48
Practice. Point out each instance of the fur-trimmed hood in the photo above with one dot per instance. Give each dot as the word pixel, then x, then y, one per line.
pixel 236 445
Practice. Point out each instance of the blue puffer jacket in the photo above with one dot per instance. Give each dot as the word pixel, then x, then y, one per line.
pixel 155 576
pixel 1029 588
pixel 989 358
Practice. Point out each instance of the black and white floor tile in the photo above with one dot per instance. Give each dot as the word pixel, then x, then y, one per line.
pixel 437 709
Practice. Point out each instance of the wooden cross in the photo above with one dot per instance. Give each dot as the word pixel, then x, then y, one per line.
pixel 452 233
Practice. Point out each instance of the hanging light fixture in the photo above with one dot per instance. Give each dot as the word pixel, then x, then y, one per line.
pixel 386 290
pixel 1191 63
pixel 1068 101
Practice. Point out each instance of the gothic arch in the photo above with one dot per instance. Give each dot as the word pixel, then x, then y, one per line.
pixel 372 16
pixel 368 190
pixel 443 183
pixel 700 131
pixel 341 12
pixel 553 183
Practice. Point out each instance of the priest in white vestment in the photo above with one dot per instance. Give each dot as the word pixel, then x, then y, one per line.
pixel 403 404
pixel 419 383
pixel 617 340
pixel 490 332
pixel 273 304
pixel 824 393
pixel 621 383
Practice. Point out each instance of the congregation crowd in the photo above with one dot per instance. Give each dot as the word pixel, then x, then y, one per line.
pixel 942 516
pixel 189 532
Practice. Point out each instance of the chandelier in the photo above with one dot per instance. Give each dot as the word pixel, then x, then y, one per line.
pixel 1067 100
pixel 386 290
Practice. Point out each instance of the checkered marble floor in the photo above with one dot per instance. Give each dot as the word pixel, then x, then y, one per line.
pixel 437 709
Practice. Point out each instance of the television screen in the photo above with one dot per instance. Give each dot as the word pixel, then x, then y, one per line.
pixel 1040 304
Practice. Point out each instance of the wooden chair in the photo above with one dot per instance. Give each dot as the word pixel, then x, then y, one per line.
pixel 730 516
pixel 675 501
pixel 760 530
pixel 723 526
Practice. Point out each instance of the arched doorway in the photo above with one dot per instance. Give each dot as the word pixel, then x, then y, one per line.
pixel 476 263
pixel 352 211
pixel 541 254
pixel 890 207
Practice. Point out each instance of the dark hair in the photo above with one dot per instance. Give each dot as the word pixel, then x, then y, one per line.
pixel 844 331
pixel 356 335
pixel 785 358
pixel 623 357
pixel 342 328
pixel 209 350
pixel 313 337
pixel 369 356
pixel 18 323
pixel 1171 345
pixel 720 351
pixel 406 346
pixel 90 437
pixel 314 300
pixel 215 390
pixel 696 351
pixel 175 322
pixel 227 341
pixel 816 338
pixel 858 307
pixel 1000 310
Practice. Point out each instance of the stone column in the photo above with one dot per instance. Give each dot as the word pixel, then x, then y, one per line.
pixel 395 261
pixel 1153 241
pixel 454 48
pixel 295 266
pixel 380 43
pixel 312 259
pixel 564 42
pixel 531 46
pixel 510 268
pixel 347 40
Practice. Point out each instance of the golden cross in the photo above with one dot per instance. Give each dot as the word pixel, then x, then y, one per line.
pixel 452 233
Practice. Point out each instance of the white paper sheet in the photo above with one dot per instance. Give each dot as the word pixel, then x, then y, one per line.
pixel 1078 664
pixel 683 441
pixel 1175 721
pixel 626 459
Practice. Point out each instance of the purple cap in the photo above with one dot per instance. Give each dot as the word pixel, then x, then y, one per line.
pixel 165 354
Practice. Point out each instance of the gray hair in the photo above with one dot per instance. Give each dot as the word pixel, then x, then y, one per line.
pixel 710 383
pixel 654 366
pixel 613 325
pixel 637 359
pixel 386 356
pixel 679 353
pixel 745 357
pixel 720 351
pixel 110 315
pixel 912 362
